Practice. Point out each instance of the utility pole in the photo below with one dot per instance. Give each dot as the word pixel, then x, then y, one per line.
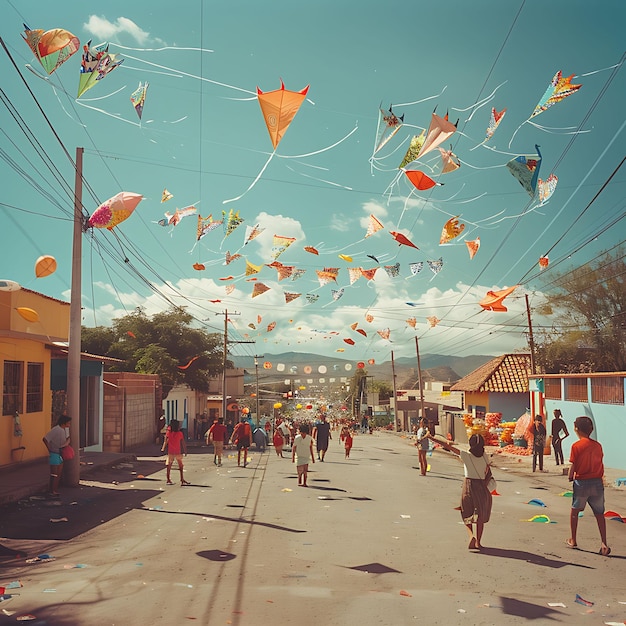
pixel 256 368
pixel 531 339
pixel 72 473
pixel 395 393
pixel 419 378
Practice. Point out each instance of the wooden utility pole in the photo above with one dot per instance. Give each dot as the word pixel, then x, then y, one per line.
pixel 531 340
pixel 395 393
pixel 256 368
pixel 419 378
pixel 72 468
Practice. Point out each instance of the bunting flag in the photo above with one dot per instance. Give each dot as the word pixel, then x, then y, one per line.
pixel 327 275
pixel 259 319
pixel 252 232
pixel 369 318
pixel 311 298
pixel 229 258
pixel 544 261
pixel 258 289
pixel 435 266
pixel 385 333
pixel 229 289
pixel 450 230
pixel 290 297
pixel 411 321
pixel 252 269
pixel 337 293
pixel 433 320
pixel 369 274
pixel 166 195
pixel 546 187
pixel 472 247
pixel 297 273
pixel 416 267
pixel 354 273
pixel 206 225
pixel 271 326
pixel 231 220
pixel 494 122
pixel 393 271
pixel 373 226
pixel 280 245
pixel 526 170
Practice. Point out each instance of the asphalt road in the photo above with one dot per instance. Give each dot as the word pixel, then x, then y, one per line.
pixel 369 542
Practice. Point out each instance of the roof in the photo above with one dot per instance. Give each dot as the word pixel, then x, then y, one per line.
pixel 507 373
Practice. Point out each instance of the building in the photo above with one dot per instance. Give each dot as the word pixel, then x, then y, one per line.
pixel 599 396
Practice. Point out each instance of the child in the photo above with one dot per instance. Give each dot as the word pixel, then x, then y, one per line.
pixel 55 439
pixel 301 450
pixel 174 442
pixel 278 443
pixel 346 437
pixel 587 471
pixel 241 438
pixel 423 445
pixel 217 434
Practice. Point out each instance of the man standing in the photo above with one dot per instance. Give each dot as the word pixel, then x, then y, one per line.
pixel 321 434
pixel 558 426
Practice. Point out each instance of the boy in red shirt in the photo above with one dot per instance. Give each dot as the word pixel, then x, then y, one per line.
pixel 587 472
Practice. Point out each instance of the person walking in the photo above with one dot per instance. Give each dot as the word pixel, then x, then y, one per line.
pixel 346 437
pixel 476 499
pixel 176 447
pixel 217 434
pixel 558 426
pixel 586 472
pixel 241 438
pixel 279 441
pixel 539 442
pixel 321 434
pixel 423 445
pixel 301 451
pixel 55 440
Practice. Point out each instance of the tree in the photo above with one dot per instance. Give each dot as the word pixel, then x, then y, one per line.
pixel 589 305
pixel 165 344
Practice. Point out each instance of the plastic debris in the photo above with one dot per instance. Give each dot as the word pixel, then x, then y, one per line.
pixel 537 502
pixel 567 494
pixel 405 593
pixel 41 558
pixel 542 519
pixel 286 489
pixel 620 481
pixel 8 613
pixel 25 618
pixel 16 584
pixel 615 516
pixel 559 604
pixel 5 597
pixel 56 520
pixel 581 600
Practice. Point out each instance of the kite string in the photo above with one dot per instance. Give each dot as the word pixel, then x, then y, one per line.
pixel 253 183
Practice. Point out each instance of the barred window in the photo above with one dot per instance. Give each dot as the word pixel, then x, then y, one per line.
pixel 12 387
pixel 609 390
pixel 552 388
pixel 34 388
pixel 576 389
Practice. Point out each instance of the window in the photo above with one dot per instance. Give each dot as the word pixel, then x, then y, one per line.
pixel 12 387
pixel 552 388
pixel 34 388
pixel 576 389
pixel 608 390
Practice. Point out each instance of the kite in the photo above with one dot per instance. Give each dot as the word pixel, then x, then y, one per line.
pixel 138 99
pixel 327 274
pixel 281 244
pixel 311 249
pixel 173 219
pixel 494 122
pixel 402 240
pixel 312 298
pixel 416 267
pixel 493 300
pixel 361 331
pixel 393 271
pixel 229 258
pixel 546 188
pixel 271 326
pixel 388 125
pixel 411 321
pixel 115 210
pixel 297 273
pixel 371 361
pixel 337 293
pixel 252 232
pixel 433 320
pixel 369 274
pixel 440 130
pixel 354 325
pixel 417 141
pixel 184 367
pixel 371 256
pixel 369 318
pixel 258 289
pixel 30 315
pixel 420 180
pixel 251 325
pixel 435 266
pixel 345 257
pixel 166 195
pixel 199 266
pixel 52 47
pixel 95 65
pixel 350 342
pixel 214 301
pixel 206 225
pixel 231 221
pixel 283 271
pixel 289 297
pixel 544 261
pixel 354 273
pixel 229 289
pixel 252 269
pixel 373 226
pixel 450 161
pixel 278 107
pixel 451 229
pixel 45 265
pixel 384 333
pixel 558 89
pixel 472 247
pixel 526 170
pixel 131 334
pixel 259 319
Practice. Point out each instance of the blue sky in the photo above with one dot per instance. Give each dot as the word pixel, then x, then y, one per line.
pixel 202 136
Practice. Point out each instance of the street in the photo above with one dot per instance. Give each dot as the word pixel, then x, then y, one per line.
pixel 369 542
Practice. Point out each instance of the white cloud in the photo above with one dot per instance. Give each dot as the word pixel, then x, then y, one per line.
pixel 104 29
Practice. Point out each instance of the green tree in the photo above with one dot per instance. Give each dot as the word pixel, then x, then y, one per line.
pixel 589 305
pixel 165 344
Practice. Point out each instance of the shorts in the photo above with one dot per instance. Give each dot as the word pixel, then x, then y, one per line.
pixel 171 457
pixel 589 491
pixel 243 443
pixel 55 458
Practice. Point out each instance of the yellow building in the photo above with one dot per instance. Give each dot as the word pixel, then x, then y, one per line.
pixel 30 323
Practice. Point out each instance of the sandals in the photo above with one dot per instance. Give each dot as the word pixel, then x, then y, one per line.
pixel 184 482
pixel 570 544
pixel 169 482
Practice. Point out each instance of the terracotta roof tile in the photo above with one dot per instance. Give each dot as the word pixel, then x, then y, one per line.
pixel 507 373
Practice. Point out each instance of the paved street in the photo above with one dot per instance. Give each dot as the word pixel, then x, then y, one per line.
pixel 369 542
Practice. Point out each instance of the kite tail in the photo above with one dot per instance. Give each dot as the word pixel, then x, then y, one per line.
pixel 559 131
pixel 253 183
pixel 515 133
pixel 117 117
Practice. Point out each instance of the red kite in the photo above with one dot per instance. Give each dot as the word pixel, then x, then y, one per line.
pixel 184 367
pixel 402 240
pixel 420 180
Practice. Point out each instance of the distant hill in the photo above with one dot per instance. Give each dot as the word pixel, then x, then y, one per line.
pixel 444 368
